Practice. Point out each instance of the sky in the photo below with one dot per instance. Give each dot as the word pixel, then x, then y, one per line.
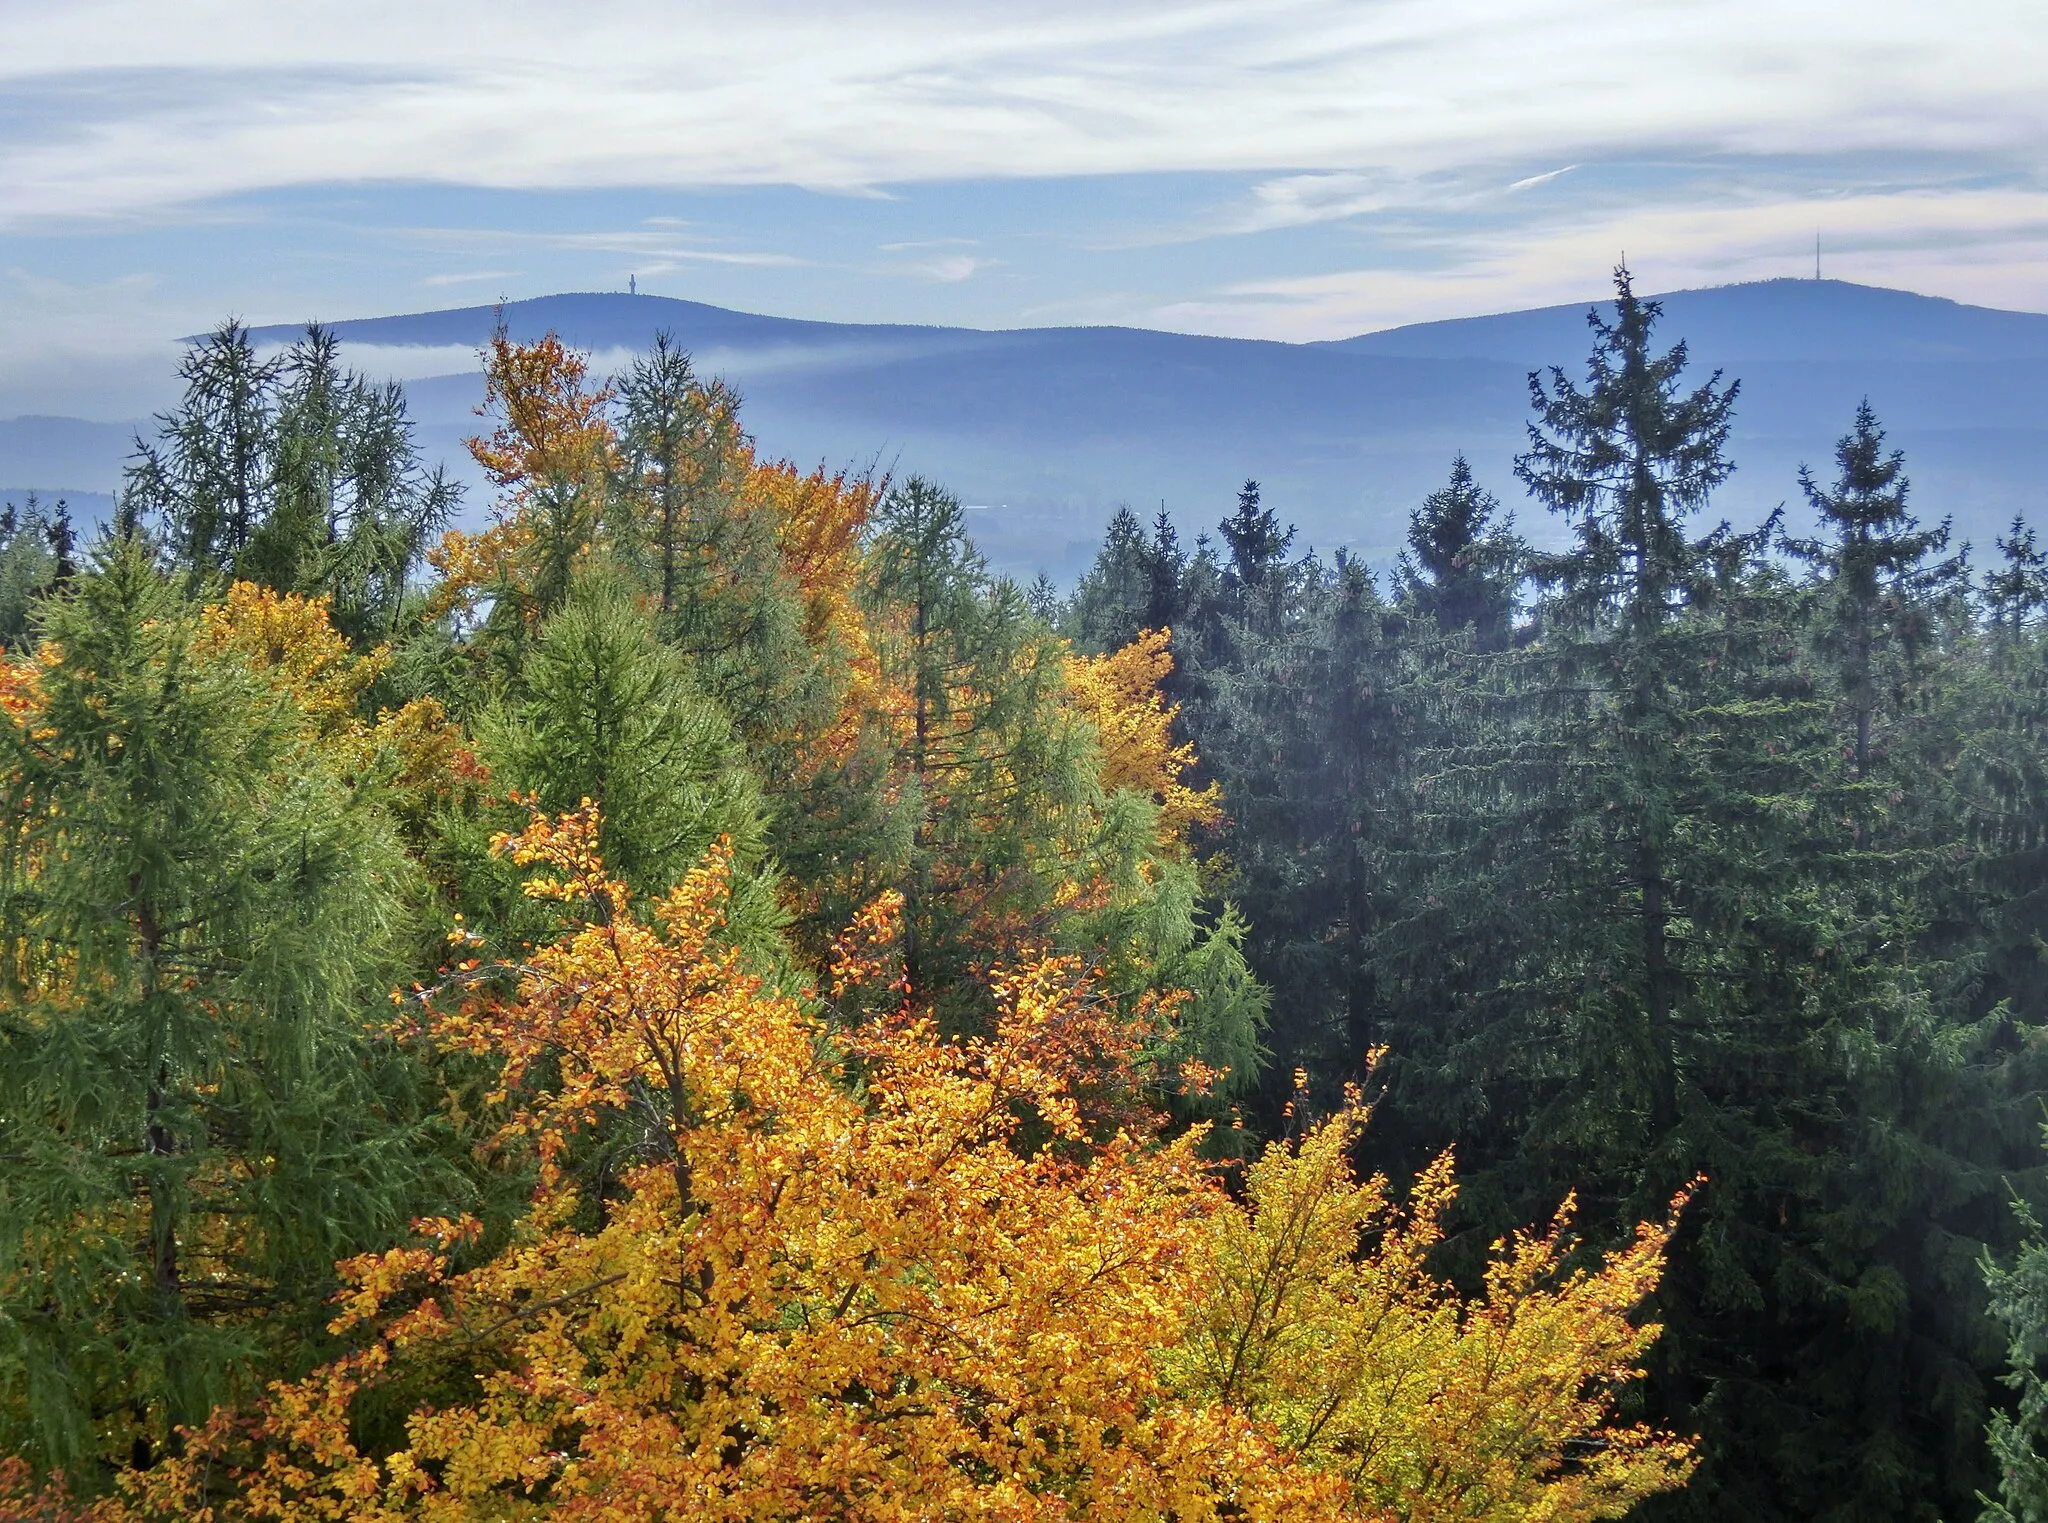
pixel 1293 169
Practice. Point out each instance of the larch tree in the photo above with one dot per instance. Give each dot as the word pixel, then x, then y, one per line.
pixel 200 917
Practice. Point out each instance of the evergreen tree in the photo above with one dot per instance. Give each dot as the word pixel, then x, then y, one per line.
pixel 1461 567
pixel 2016 593
pixel 2019 1439
pixel 1112 601
pixel 1872 563
pixel 603 712
pixel 684 518
pixel 200 917
pixel 1304 731
pixel 294 473
pixel 28 568
pixel 994 775
pixel 1254 581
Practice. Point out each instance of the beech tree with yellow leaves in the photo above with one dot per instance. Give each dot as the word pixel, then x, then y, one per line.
pixel 880 1274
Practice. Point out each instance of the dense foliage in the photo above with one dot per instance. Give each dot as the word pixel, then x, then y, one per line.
pixel 696 998
pixel 1675 851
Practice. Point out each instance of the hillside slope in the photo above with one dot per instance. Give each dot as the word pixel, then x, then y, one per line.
pixel 1045 430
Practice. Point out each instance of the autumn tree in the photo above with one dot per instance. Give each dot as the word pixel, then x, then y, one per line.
pixel 551 455
pixel 888 1298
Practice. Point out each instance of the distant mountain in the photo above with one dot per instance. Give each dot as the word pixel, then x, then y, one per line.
pixel 1044 430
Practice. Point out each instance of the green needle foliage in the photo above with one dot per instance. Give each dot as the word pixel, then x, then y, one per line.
pixel 1727 860
pixel 200 920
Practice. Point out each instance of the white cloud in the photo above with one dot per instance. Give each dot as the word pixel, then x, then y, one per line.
pixel 948 269
pixel 1530 182
pixel 137 104
pixel 469 277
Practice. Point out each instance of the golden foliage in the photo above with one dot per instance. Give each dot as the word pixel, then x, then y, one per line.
pixel 872 1274
pixel 1368 1367
pixel 1120 694
pixel 552 418
pixel 290 640
pixel 28 1498
pixel 552 432
pixel 819 520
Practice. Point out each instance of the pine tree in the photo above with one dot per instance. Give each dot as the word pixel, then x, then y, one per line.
pixel 1304 733
pixel 991 767
pixel 1165 571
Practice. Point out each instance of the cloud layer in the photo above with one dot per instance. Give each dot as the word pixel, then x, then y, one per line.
pixel 1278 168
pixel 123 105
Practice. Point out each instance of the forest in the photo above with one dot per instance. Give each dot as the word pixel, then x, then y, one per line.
pixel 698 999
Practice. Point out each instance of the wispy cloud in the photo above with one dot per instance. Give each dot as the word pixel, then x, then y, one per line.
pixel 1530 182
pixel 1984 244
pixel 468 277
pixel 131 103
pixel 947 268
pixel 656 248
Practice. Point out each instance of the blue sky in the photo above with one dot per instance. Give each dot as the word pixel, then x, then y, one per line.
pixel 1276 168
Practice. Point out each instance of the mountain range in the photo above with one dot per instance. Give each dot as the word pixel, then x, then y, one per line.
pixel 1043 431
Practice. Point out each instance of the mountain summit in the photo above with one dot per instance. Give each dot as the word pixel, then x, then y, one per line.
pixel 1045 430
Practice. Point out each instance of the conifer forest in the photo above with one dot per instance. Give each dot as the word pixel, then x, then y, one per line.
pixel 694 998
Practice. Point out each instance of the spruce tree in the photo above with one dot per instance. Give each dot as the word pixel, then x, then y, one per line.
pixel 1461 565
pixel 1872 562
pixel 2016 592
pixel 1112 601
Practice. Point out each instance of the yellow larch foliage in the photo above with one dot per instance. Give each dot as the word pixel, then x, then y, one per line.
pixel 291 639
pixel 843 1279
pixel 552 422
pixel 21 683
pixel 818 521
pixel 551 430
pixel 1120 694
pixel 288 640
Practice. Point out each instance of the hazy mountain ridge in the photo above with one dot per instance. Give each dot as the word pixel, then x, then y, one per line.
pixel 1050 427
